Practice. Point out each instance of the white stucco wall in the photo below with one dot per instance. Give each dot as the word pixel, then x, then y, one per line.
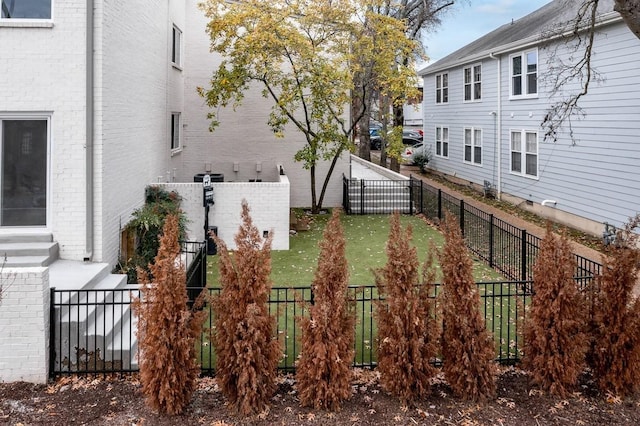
pixel 268 203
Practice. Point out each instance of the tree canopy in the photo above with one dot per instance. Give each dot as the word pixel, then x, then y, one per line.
pixel 305 55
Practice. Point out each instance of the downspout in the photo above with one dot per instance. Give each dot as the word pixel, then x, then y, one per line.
pixel 88 254
pixel 499 126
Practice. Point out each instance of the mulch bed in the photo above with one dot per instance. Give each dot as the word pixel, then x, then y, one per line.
pixel 118 401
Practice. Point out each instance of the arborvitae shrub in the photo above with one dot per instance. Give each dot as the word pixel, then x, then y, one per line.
pixel 615 357
pixel 323 373
pixel 243 334
pixel 407 332
pixel 467 346
pixel 555 339
pixel 167 329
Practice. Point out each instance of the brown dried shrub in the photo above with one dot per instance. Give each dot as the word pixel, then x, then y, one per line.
pixel 167 328
pixel 467 346
pixel 243 334
pixel 615 352
pixel 407 331
pixel 323 372
pixel 555 338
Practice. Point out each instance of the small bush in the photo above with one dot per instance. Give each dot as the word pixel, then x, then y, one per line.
pixel 167 329
pixel 555 339
pixel 407 332
pixel 467 346
pixel 323 373
pixel 247 353
pixel 615 352
pixel 147 224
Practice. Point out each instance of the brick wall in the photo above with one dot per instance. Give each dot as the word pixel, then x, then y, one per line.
pixel 24 325
pixel 43 71
pixel 138 90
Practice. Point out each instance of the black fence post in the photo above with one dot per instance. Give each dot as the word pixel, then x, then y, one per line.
pixel 345 190
pixel 439 204
pixel 462 216
pixel 523 254
pixel 491 240
pixel 411 198
pixel 362 196
pixel 52 332
pixel 422 196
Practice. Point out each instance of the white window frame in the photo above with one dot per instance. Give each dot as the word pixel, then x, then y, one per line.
pixel 175 132
pixel 524 152
pixel 474 143
pixel 176 47
pixel 442 141
pixel 27 22
pixel 524 75
pixel 472 83
pixel 442 89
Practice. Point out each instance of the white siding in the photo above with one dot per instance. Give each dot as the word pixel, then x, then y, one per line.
pixel 597 177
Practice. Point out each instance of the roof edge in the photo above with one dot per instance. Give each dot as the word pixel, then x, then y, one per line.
pixel 604 19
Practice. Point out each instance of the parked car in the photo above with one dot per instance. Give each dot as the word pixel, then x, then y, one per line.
pixel 411 151
pixel 412 133
pixel 376 141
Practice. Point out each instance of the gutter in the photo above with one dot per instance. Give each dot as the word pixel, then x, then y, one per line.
pixel 498 118
pixel 525 43
pixel 89 203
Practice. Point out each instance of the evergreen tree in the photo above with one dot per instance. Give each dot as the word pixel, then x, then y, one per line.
pixel 323 373
pixel 555 339
pixel 467 346
pixel 615 357
pixel 407 333
pixel 167 329
pixel 247 353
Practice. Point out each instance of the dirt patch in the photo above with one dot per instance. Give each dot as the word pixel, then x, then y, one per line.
pixel 118 401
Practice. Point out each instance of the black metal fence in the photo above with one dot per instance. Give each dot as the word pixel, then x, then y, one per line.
pixel 95 329
pixel 504 247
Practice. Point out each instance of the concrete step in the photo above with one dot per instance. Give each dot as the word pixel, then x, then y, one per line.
pixel 28 254
pixel 35 248
pixel 26 261
pixel 36 236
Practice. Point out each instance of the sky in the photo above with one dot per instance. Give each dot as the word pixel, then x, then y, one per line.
pixel 470 20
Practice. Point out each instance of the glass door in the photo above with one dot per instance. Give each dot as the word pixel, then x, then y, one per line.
pixel 23 179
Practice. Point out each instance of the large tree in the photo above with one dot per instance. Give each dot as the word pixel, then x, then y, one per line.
pixel 420 16
pixel 302 53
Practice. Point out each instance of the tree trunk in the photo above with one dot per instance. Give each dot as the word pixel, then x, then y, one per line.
pixel 630 12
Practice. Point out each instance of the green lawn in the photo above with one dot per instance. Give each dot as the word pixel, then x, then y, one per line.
pixel 366 238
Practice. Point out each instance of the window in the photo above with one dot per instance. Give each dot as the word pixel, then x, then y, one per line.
pixel 524 74
pixel 524 163
pixel 26 9
pixel 442 88
pixel 473 145
pixel 175 131
pixel 176 52
pixel 24 142
pixel 473 83
pixel 442 142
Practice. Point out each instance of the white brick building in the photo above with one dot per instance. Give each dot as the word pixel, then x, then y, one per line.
pixel 97 101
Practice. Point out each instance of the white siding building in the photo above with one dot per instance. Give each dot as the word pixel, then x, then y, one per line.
pixel 484 105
